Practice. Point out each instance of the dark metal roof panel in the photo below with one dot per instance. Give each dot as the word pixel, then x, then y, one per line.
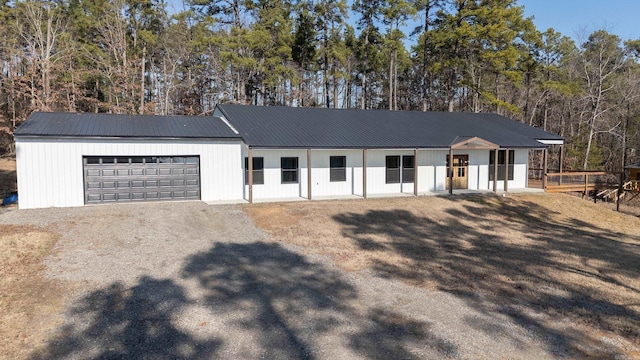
pixel 111 125
pixel 275 127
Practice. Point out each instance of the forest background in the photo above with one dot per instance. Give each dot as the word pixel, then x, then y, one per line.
pixel 142 56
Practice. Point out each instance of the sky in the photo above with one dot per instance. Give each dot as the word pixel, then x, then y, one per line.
pixel 579 18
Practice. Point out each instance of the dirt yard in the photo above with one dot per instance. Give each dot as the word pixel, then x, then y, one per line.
pixel 30 305
pixel 544 260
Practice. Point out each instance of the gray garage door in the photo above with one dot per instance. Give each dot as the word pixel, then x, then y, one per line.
pixel 136 178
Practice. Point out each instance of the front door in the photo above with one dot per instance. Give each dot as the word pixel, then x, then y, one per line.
pixel 460 171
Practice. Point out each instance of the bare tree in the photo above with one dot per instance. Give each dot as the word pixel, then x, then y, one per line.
pixel 40 26
pixel 601 60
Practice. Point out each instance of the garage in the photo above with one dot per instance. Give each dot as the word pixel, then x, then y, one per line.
pixel 66 159
pixel 141 178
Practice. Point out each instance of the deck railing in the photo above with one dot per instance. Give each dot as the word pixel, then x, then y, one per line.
pixel 536 174
pixel 583 181
pixel 632 185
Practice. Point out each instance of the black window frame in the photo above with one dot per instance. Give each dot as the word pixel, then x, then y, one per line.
pixel 392 173
pixel 258 170
pixel 501 158
pixel 408 172
pixel 337 172
pixel 402 173
pixel 287 171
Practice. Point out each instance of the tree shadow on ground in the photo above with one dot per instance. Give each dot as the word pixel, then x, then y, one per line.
pixel 389 333
pixel 128 323
pixel 290 304
pixel 562 269
pixel 263 301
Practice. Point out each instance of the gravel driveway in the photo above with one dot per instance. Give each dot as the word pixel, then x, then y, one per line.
pixel 187 280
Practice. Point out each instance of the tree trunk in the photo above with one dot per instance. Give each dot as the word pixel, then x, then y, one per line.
pixel 426 84
pixel 364 71
pixel 142 72
pixel 497 90
pixel 335 92
pixel 166 89
pixel 395 76
pixel 391 81
pixel 589 142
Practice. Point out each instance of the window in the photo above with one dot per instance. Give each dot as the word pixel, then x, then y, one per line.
pixel 501 155
pixel 338 171
pixel 460 163
pixel 289 166
pixel 93 160
pixel 258 171
pixel 393 169
pixel 408 169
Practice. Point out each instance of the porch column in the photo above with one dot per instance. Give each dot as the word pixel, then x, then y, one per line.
pixel 364 173
pixel 450 171
pixel 250 175
pixel 506 170
pixel 560 159
pixel 561 156
pixel 415 172
pixel 544 168
pixel 309 173
pixel 495 170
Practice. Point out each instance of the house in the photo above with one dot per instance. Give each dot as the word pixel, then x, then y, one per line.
pixel 249 153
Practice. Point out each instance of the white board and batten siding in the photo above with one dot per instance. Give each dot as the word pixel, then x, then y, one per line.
pixel 321 184
pixel 50 171
pixel 376 173
pixel 520 172
pixel 273 188
pixel 432 172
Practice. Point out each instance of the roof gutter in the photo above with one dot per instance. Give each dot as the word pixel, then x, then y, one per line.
pixel 551 142
pixel 407 147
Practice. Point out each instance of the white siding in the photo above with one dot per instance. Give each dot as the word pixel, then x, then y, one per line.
pixel 478 168
pixel 320 169
pixel 432 173
pixel 520 171
pixel 432 170
pixel 376 173
pixel 50 170
pixel 273 187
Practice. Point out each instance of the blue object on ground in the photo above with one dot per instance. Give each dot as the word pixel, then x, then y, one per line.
pixel 10 199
